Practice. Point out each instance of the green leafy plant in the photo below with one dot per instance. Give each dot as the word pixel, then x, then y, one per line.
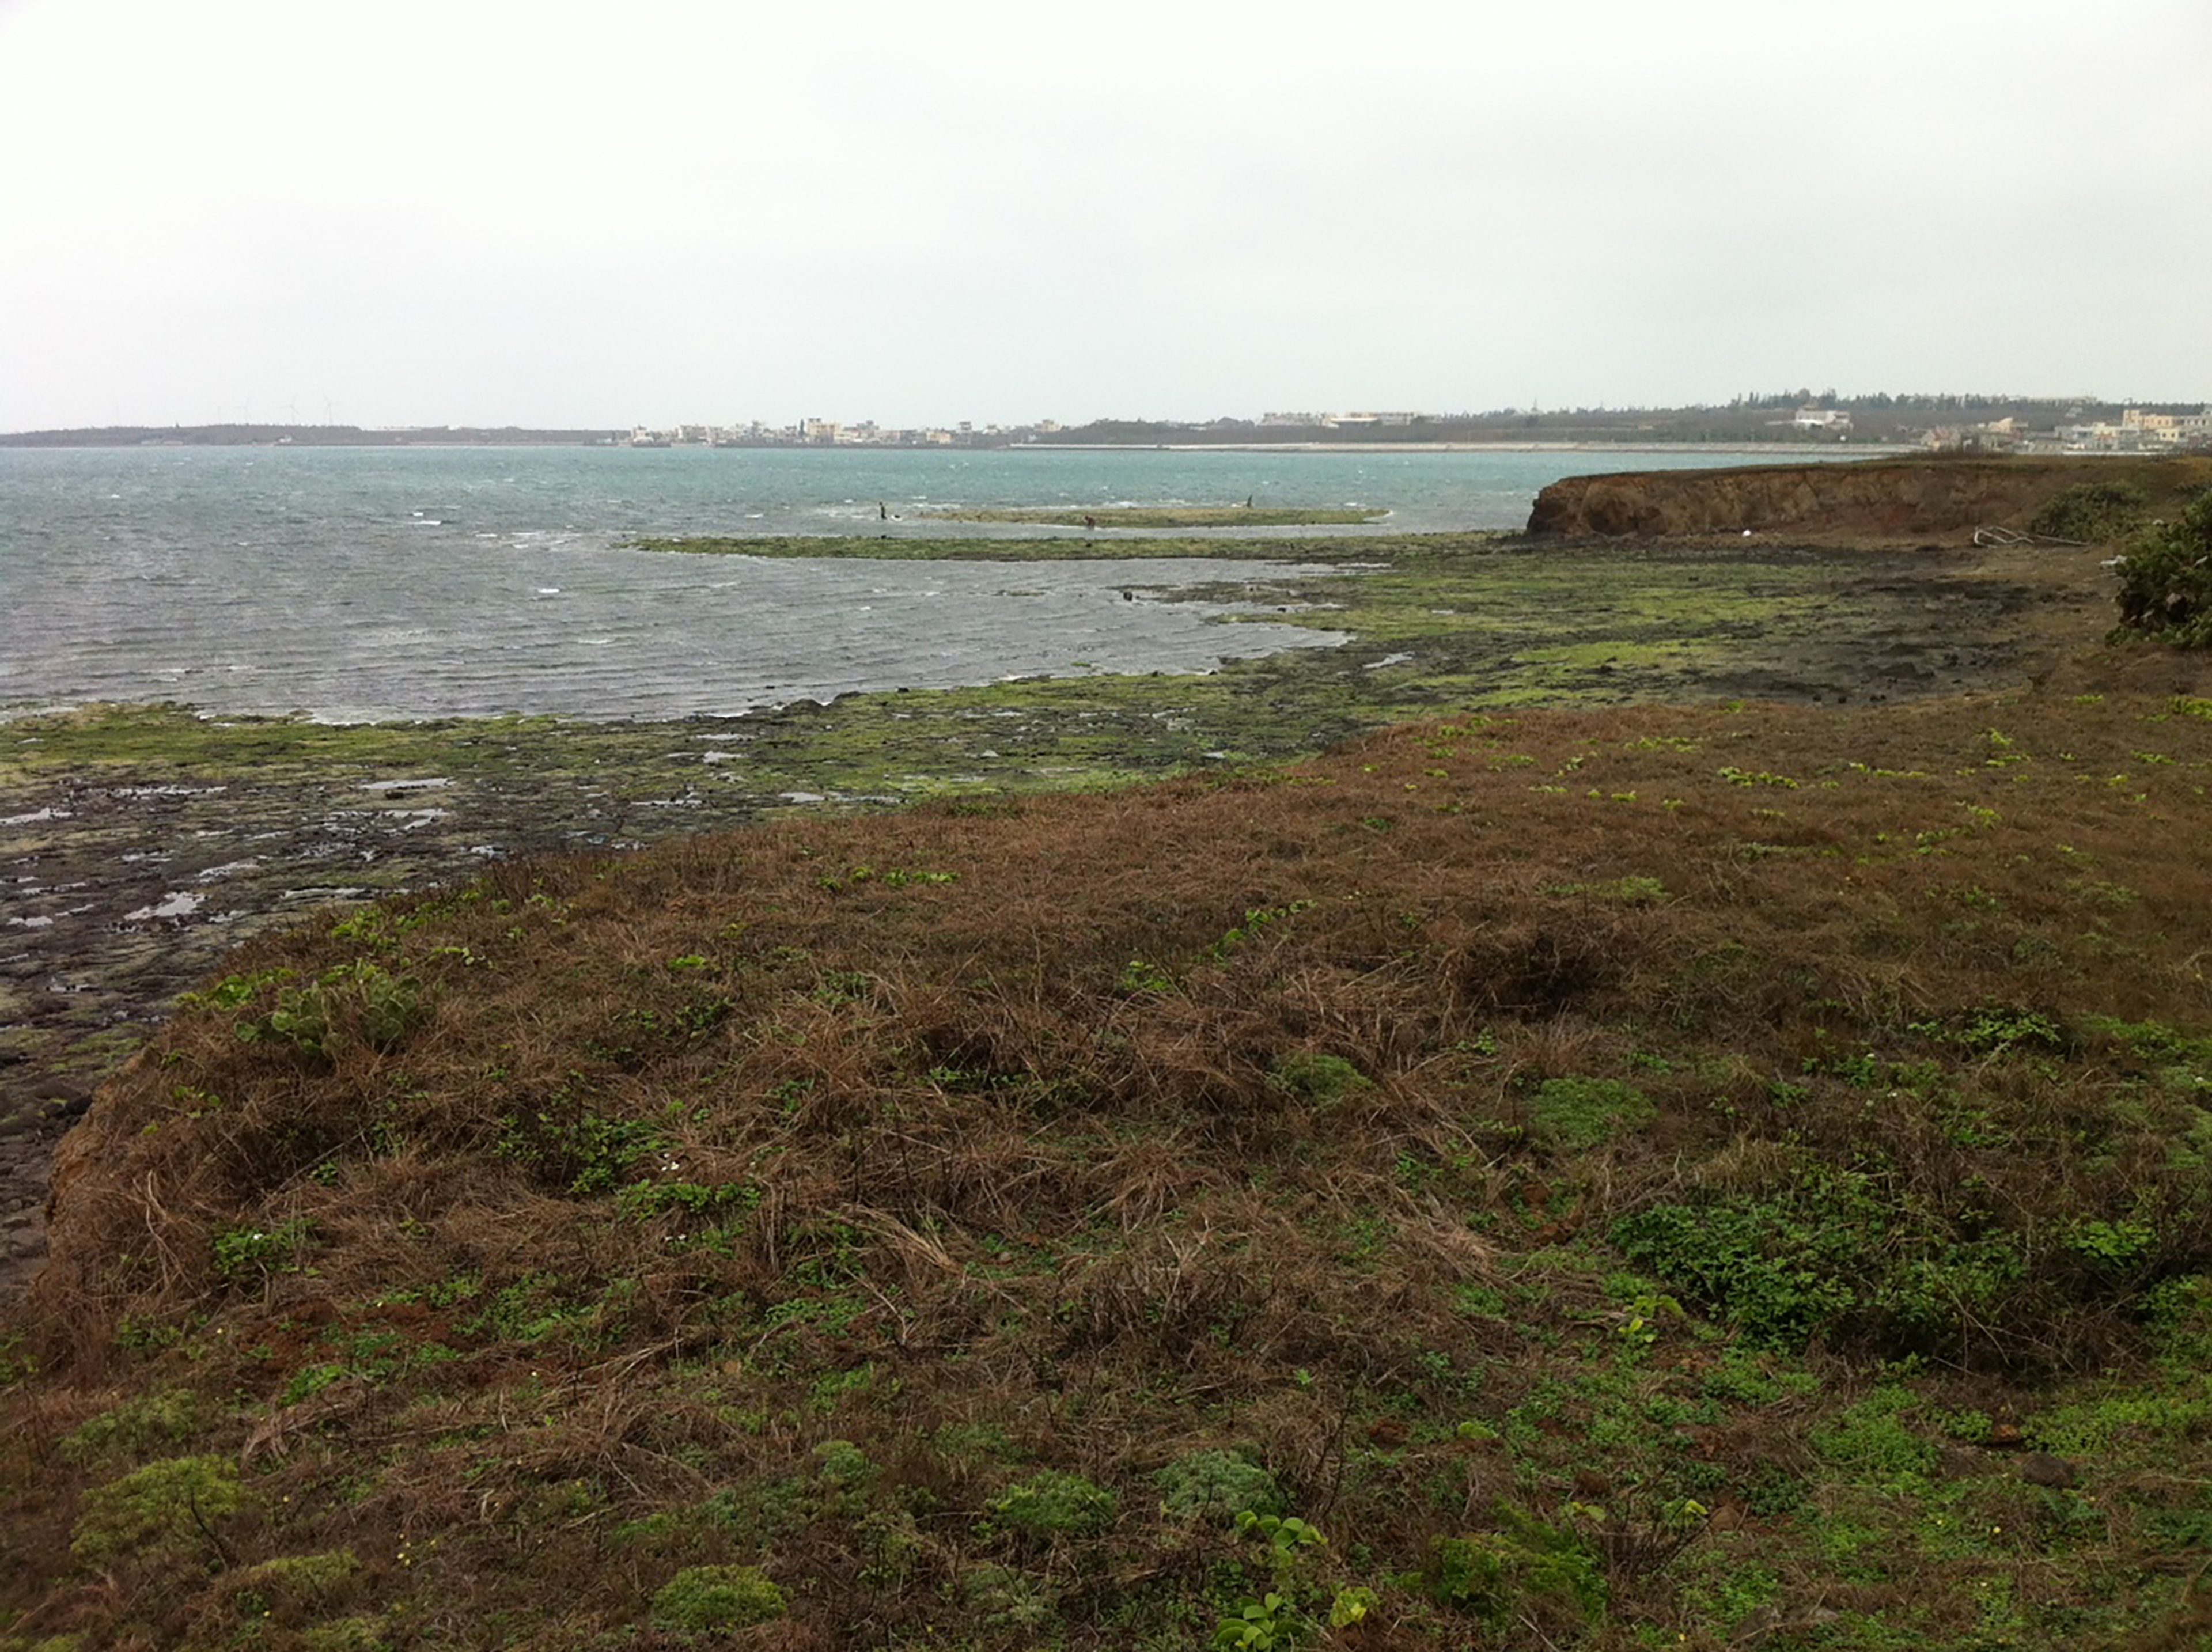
pixel 1215 1485
pixel 353 1003
pixel 2120 1244
pixel 1352 1605
pixel 1775 1273
pixel 1260 1625
pixel 232 991
pixel 169 1507
pixel 1285 1535
pixel 1490 1574
pixel 701 1599
pixel 586 1153
pixel 1316 1076
pixel 1141 976
pixel 2089 512
pixel 1871 1441
pixel 1053 1503
pixel 2166 580
pixel 251 1256
pixel 1274 1618
pixel 1575 1114
pixel 1994 1028
pixel 1256 920
pixel 166 1418
pixel 641 1201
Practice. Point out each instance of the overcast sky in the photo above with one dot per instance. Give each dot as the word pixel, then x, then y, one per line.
pixel 527 211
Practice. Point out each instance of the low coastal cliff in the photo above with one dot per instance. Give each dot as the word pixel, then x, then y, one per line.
pixel 1889 498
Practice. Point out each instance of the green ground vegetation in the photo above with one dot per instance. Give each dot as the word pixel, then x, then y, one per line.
pixel 1601 1177
pixel 2091 513
pixel 2166 579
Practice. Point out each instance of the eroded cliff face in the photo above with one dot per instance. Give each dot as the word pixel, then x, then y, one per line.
pixel 1881 499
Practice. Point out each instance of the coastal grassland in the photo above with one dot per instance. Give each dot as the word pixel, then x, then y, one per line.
pixel 1600 1178
pixel 112 813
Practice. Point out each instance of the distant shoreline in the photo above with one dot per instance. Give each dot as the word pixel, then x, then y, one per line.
pixel 1785 452
pixel 86 440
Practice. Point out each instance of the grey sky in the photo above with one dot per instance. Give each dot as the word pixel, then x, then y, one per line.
pixel 533 212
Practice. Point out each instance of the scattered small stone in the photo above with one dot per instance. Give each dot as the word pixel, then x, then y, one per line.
pixel 2041 1468
pixel 1758 1624
pixel 1766 1621
pixel 1956 1463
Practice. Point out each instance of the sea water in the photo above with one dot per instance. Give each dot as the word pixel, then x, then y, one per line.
pixel 363 584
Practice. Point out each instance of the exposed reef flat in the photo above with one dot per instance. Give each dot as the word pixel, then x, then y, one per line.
pixel 1174 516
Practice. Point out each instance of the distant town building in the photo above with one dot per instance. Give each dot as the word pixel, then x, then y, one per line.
pixel 2135 432
pixel 1995 436
pixel 2138 432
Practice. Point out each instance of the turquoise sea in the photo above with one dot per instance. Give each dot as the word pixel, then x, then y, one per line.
pixel 358 584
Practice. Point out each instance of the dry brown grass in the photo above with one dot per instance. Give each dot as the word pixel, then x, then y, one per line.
pixel 1102 1128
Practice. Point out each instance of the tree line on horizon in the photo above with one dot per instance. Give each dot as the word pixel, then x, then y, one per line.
pixel 1750 417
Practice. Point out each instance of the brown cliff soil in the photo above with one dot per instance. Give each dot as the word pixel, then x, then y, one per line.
pixel 1910 498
